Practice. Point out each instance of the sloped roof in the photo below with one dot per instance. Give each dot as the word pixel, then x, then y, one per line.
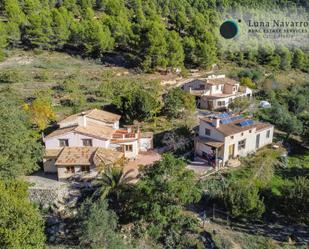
pixel 210 142
pixel 234 127
pixel 76 156
pixel 52 152
pixel 106 156
pixel 219 81
pixel 92 129
pixel 72 156
pixel 96 114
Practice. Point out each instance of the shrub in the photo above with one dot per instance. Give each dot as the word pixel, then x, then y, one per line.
pixel 10 76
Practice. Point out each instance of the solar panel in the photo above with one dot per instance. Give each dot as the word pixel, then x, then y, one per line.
pixel 250 122
pixel 225 121
pixel 246 123
pixel 223 115
pixel 236 118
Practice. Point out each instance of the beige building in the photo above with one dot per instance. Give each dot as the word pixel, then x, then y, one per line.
pixel 222 138
pixel 87 139
pixel 216 91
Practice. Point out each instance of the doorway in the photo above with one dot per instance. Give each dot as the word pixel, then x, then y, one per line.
pixel 231 151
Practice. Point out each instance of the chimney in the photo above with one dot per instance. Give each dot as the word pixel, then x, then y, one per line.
pixel 216 122
pixel 84 119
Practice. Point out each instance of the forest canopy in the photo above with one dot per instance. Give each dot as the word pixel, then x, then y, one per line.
pixel 151 34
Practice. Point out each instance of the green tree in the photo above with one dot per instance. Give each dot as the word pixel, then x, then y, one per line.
pixel 21 225
pixel 16 17
pixel 137 104
pixel 38 32
pixel 243 200
pixel 154 47
pixel 112 181
pixel 285 57
pixel 60 27
pixel 19 150
pixel 246 81
pixel 162 189
pixel 298 59
pixel 98 226
pixel 294 200
pixel 178 102
pixel 240 104
pixel 175 54
pixel 95 38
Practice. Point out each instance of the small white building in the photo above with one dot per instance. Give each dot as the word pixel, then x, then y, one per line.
pixel 216 91
pixel 91 134
pixel 224 137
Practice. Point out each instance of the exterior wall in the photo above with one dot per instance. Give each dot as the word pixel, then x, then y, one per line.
pixel 145 144
pixel 249 147
pixel 128 154
pixel 75 140
pixel 63 174
pixel 49 164
pixel 228 89
pixel 263 139
pixel 214 134
pixel 216 89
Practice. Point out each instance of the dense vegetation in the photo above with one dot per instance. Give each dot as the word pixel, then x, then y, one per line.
pixel 289 110
pixel 151 34
pixel 267 187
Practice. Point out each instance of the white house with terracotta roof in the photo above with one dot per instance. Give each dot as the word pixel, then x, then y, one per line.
pixel 86 139
pixel 224 137
pixel 216 91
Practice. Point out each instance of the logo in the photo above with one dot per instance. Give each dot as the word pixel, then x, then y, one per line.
pixel 229 29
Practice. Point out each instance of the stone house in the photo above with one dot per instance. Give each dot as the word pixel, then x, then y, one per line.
pixel 87 139
pixel 216 91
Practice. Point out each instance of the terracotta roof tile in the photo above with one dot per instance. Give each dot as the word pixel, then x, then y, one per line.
pixel 91 129
pixel 87 156
pixel 94 114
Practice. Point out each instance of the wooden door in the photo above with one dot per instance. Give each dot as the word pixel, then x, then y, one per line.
pixel 231 151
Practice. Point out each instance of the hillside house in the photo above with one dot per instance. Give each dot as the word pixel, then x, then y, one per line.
pixel 222 138
pixel 85 140
pixel 216 91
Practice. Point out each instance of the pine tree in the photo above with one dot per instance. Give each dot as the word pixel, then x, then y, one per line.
pixel 298 59
pixel 155 47
pixel 3 40
pixel 39 31
pixel 16 17
pixel 175 55
pixel 60 28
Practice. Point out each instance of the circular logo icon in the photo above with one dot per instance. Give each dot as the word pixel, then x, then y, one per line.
pixel 229 29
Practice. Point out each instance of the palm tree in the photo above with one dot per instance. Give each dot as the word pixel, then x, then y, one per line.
pixel 112 181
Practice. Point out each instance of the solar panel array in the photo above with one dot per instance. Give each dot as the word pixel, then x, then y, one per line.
pixel 246 122
pixel 226 118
